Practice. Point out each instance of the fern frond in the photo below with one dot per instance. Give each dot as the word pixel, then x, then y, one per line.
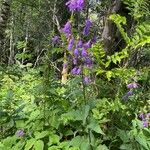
pixel 141 36
pixel 138 8
pixel 119 21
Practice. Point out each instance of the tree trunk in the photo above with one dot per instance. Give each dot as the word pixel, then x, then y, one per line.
pixel 109 31
pixel 4 16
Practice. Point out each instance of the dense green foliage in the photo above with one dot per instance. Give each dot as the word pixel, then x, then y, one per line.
pixel 109 112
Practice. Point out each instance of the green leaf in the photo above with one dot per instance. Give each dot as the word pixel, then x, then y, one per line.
pixel 53 139
pixel 9 141
pixel 102 147
pixel 76 141
pixel 95 127
pixel 53 148
pixel 39 145
pixel 86 113
pixel 41 135
pixel 29 144
pixel 85 145
pixel 126 147
pixel 142 141
pixel 19 145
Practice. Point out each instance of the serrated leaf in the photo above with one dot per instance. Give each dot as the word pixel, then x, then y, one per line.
pixel 29 144
pixel 95 127
pixel 41 135
pixel 39 145
pixel 102 147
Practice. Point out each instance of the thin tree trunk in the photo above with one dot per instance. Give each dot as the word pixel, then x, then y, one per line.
pixel 11 47
pixel 4 16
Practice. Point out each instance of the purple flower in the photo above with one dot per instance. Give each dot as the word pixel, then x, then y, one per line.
pixel 127 95
pixel 84 53
pixel 71 43
pixel 87 45
pixel 145 123
pixel 76 52
pixel 132 86
pixel 130 93
pixel 79 44
pixel 87 80
pixel 75 70
pixel 75 5
pixel 141 116
pixel 88 62
pixel 87 27
pixel 56 39
pixel 94 40
pixel 20 133
pixel 74 61
pixel 78 71
pixel 67 29
pixel 148 115
pixel 65 65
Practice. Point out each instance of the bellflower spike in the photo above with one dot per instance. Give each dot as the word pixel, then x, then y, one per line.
pixel 67 29
pixel 71 43
pixel 75 5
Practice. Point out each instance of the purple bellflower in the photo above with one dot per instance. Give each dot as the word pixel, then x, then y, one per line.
pixel 132 86
pixel 75 5
pixel 87 45
pixel 74 61
pixel 76 52
pixel 65 65
pixel 70 44
pixel 84 53
pixel 144 118
pixel 88 62
pixel 87 27
pixel 75 70
pixel 67 29
pixel 20 133
pixel 79 44
pixel 56 39
pixel 127 95
pixel 145 123
pixel 94 40
pixel 141 116
pixel 87 80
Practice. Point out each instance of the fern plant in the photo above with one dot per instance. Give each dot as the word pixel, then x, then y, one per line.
pixel 138 8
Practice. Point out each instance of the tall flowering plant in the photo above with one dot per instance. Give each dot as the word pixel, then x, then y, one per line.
pixel 77 53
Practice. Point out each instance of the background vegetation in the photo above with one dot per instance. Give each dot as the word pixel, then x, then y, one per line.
pixel 57 93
